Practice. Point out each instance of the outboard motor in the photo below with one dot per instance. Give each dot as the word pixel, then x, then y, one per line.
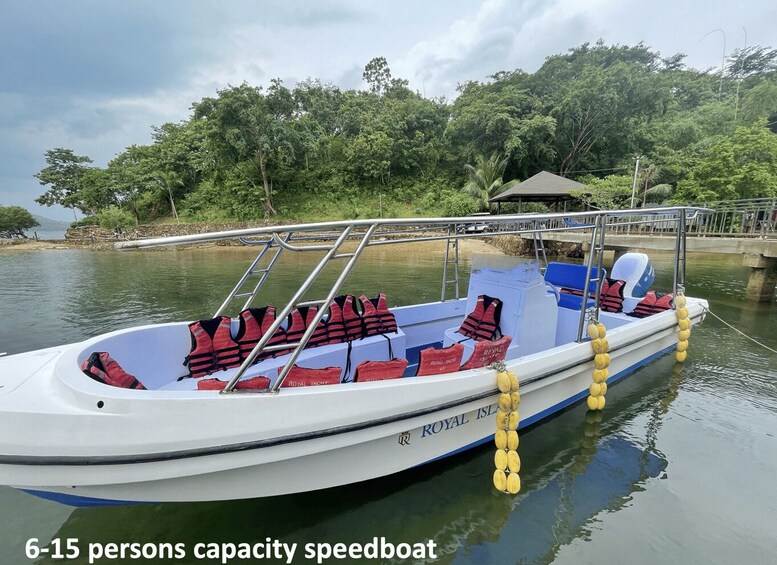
pixel 635 269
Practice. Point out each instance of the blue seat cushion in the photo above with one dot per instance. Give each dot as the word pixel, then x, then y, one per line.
pixel 572 301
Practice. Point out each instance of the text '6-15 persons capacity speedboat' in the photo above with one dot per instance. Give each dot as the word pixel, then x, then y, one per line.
pixel 276 399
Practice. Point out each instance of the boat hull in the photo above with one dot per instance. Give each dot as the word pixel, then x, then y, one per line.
pixel 441 416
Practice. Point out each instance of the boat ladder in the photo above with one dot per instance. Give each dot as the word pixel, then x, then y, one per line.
pixel 539 247
pixel 333 252
pixel 451 263
pixel 243 289
pixel 595 260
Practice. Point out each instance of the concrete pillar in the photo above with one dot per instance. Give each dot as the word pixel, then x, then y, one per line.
pixel 763 277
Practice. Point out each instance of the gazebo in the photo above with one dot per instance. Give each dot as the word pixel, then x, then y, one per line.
pixel 542 187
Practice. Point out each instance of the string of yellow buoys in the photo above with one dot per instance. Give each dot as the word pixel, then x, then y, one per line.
pixel 506 459
pixel 684 325
pixel 597 332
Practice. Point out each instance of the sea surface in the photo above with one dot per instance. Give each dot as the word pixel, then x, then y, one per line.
pixel 680 468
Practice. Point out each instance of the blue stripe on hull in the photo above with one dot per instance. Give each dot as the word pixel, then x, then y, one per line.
pixel 86 501
pixel 556 407
pixel 78 501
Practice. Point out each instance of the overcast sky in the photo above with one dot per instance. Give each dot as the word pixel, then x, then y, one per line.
pixel 95 75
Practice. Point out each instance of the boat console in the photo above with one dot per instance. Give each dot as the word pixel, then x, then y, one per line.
pixel 528 314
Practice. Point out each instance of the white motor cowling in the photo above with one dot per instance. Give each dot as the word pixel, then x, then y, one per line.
pixel 635 269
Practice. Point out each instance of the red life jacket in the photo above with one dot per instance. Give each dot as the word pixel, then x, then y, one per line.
pixel 438 361
pixel 653 303
pixel 380 370
pixel 483 322
pixel 487 352
pixel 344 322
pixel 105 369
pixel 298 321
pixel 213 348
pixel 574 291
pixel 611 297
pixel 299 376
pixel 376 316
pixel 255 383
pixel 254 323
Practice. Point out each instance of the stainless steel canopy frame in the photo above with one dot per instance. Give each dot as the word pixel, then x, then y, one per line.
pixel 330 237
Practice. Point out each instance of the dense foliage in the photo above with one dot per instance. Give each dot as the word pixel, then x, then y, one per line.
pixel 315 151
pixel 14 220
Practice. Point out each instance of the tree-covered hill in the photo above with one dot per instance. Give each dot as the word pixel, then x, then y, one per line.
pixel 315 151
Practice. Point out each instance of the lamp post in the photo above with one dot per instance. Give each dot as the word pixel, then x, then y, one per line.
pixel 634 184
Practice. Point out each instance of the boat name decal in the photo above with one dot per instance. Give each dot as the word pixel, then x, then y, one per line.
pixel 446 424
pixel 486 411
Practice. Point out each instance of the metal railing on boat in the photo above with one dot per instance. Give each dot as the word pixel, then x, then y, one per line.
pixel 330 237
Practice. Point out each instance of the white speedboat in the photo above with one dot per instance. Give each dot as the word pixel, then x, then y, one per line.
pixel 321 393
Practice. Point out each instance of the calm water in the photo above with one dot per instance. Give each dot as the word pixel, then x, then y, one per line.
pixel 680 468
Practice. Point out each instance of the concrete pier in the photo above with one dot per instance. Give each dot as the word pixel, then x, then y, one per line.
pixel 763 277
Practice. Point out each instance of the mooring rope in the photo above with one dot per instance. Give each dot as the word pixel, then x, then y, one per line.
pixel 739 331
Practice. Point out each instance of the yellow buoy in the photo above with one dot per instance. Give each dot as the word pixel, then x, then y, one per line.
pixel 503 381
pixel 592 331
pixel 682 313
pixel 601 329
pixel 603 388
pixel 683 335
pixel 679 301
pixel 500 439
pixel 600 375
pixel 500 480
pixel 500 459
pixel 592 402
pixel 513 421
pixel 684 324
pixel 602 360
pixel 598 346
pixel 513 461
pixel 512 440
pixel 513 483
pixel 513 381
pixel 515 400
pixel 501 420
pixel 505 402
pixel 595 389
pixel 600 403
pixel 680 356
pixel 682 345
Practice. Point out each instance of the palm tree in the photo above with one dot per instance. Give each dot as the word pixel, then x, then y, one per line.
pixel 485 180
pixel 658 194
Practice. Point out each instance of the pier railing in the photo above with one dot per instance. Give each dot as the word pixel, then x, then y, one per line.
pixel 751 218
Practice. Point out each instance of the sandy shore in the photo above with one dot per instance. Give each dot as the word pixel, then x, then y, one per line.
pixel 31 244
pixel 466 246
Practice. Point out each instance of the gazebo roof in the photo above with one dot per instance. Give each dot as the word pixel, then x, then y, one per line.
pixel 542 186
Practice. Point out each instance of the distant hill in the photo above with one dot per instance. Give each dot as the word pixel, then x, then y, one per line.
pixel 47 224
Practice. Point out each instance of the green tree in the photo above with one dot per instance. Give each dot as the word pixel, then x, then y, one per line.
pixel 63 173
pixel 243 125
pixel 377 75
pixel 609 193
pixel 134 182
pixel 741 165
pixel 485 180
pixel 14 220
pixel 115 218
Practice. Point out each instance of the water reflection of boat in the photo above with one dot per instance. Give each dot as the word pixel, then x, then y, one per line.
pixel 82 442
